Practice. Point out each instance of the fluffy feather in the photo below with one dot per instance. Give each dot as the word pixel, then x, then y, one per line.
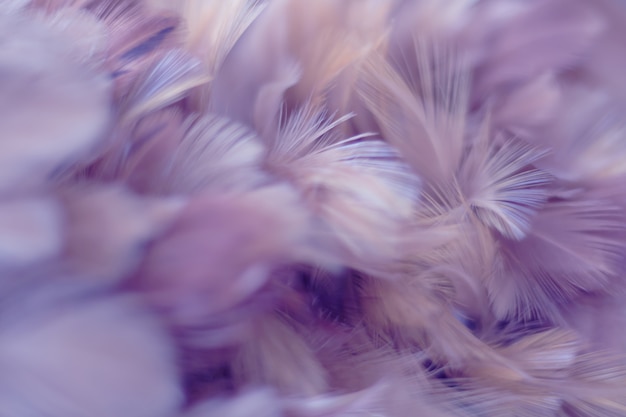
pixel 301 208
pixel 42 82
pixel 116 351
pixel 214 153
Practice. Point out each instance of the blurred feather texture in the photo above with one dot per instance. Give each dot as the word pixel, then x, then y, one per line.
pixel 298 208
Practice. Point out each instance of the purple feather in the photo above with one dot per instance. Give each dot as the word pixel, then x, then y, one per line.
pixel 298 208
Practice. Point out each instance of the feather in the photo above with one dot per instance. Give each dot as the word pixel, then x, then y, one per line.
pixel 543 358
pixel 304 208
pixel 134 32
pixel 125 223
pixel 328 38
pixel 215 27
pixel 135 152
pixel 365 402
pixel 526 45
pixel 565 381
pixel 169 79
pixel 423 118
pixel 586 143
pixel 222 249
pixel 572 248
pixel 13 6
pixel 214 153
pixel 270 100
pixel 535 103
pixel 546 354
pixel 458 269
pixel 594 318
pixel 116 348
pixel 504 190
pixel 263 361
pixel 314 38
pixel 149 148
pixel 353 184
pixel 235 87
pixel 596 387
pixel 87 34
pixel 263 401
pixel 143 57
pixel 412 317
pixel 42 83
pixel 32 231
pixel 608 54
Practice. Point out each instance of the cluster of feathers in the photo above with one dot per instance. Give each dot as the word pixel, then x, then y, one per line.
pixel 312 208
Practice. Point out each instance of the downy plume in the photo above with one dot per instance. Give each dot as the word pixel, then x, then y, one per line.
pixel 298 208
